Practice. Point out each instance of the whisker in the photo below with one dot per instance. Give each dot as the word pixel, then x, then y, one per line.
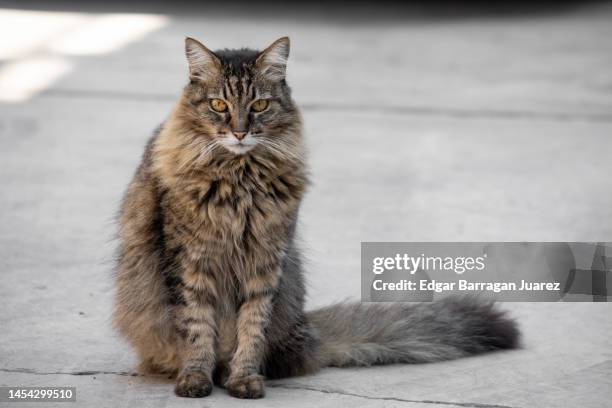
pixel 275 146
pixel 275 150
pixel 208 148
pixel 189 147
pixel 195 159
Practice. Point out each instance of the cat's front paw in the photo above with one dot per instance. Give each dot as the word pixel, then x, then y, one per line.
pixel 193 384
pixel 248 386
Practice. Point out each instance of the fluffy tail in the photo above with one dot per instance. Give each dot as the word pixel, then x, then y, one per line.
pixel 367 334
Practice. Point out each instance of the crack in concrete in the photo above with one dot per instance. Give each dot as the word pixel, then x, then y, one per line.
pixel 459 113
pixel 77 373
pixel 350 394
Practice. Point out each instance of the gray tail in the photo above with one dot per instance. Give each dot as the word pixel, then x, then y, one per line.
pixel 356 334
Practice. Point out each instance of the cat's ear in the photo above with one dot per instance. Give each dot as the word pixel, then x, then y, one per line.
pixel 204 65
pixel 272 62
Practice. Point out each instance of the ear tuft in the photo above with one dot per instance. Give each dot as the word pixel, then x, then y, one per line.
pixel 203 63
pixel 272 62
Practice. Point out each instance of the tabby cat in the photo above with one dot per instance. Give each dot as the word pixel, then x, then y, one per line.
pixel 209 282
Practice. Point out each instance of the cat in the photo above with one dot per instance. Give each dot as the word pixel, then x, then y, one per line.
pixel 209 284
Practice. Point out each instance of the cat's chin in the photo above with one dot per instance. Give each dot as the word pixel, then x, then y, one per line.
pixel 239 149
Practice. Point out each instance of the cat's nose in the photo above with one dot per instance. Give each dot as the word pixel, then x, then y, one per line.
pixel 239 135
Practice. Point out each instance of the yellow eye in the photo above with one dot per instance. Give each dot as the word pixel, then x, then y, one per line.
pixel 259 105
pixel 218 105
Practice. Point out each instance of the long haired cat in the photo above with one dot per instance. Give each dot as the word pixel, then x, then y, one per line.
pixel 209 282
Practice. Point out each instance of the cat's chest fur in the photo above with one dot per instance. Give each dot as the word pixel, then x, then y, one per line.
pixel 235 222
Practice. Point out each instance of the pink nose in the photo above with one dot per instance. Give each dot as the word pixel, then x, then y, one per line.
pixel 239 135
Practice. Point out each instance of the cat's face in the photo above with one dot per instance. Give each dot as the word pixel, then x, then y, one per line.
pixel 239 98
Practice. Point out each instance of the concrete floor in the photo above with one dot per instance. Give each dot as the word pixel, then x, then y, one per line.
pixel 455 128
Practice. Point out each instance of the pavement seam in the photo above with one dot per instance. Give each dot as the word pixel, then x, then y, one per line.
pixel 350 394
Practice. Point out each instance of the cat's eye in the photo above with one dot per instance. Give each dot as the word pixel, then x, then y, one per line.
pixel 218 105
pixel 259 105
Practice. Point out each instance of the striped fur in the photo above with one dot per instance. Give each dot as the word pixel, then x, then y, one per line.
pixel 209 280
